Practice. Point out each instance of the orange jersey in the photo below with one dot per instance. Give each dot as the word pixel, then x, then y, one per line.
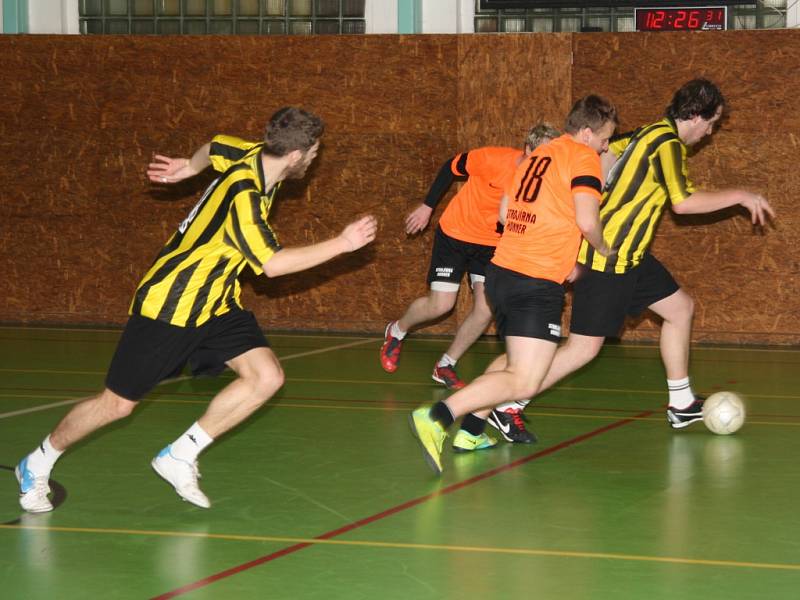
pixel 472 214
pixel 541 237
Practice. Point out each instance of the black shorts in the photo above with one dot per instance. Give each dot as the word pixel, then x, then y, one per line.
pixel 451 258
pixel 601 301
pixel 150 351
pixel 524 306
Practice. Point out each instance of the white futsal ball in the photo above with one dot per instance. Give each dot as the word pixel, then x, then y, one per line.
pixel 723 413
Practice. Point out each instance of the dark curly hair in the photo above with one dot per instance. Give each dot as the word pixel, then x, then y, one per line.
pixel 698 97
pixel 290 129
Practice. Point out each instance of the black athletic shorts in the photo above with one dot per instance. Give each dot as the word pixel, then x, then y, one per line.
pixel 150 351
pixel 451 258
pixel 524 306
pixel 601 301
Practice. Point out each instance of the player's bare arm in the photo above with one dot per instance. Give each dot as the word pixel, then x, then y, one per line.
pixel 165 169
pixel 607 160
pixel 587 217
pixel 503 210
pixel 418 219
pixel 702 202
pixel 291 260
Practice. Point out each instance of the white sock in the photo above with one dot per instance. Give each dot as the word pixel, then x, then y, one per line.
pixel 514 405
pixel 190 444
pixel 680 393
pixel 396 331
pixel 41 460
pixel 446 361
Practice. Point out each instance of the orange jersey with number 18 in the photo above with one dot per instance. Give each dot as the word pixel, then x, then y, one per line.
pixel 541 237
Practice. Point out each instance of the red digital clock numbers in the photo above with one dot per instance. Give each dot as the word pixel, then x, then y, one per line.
pixel 702 18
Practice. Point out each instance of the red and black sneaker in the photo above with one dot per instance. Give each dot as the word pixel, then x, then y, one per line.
pixel 511 425
pixel 448 376
pixel 390 351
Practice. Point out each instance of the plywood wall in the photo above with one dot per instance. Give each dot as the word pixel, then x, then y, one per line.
pixel 81 117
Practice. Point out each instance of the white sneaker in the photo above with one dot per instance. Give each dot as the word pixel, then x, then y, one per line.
pixel 182 476
pixel 33 490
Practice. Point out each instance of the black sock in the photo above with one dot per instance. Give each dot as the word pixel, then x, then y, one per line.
pixel 473 425
pixel 441 414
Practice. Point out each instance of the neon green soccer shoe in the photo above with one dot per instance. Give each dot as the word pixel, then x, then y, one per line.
pixel 430 436
pixel 466 442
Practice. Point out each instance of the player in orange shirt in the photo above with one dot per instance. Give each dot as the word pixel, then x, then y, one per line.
pixel 464 242
pixel 553 199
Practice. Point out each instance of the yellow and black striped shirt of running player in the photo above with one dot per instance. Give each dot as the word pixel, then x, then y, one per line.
pixel 650 170
pixel 195 276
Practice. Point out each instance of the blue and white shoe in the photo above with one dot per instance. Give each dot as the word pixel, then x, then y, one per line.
pixel 33 490
pixel 182 476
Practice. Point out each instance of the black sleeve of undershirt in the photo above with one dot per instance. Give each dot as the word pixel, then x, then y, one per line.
pixel 441 184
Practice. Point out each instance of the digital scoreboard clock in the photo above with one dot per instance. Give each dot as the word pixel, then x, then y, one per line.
pixel 694 18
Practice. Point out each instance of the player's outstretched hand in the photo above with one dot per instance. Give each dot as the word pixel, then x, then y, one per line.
pixel 418 219
pixel 760 209
pixel 360 233
pixel 164 169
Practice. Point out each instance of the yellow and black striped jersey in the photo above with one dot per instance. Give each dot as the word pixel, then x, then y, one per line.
pixel 651 169
pixel 195 276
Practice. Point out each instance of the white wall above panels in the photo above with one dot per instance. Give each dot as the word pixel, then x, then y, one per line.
pixel 448 16
pixel 53 16
pixel 793 13
pixel 381 16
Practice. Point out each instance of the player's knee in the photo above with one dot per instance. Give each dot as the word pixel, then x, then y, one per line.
pixel 583 349
pixel 265 381
pixel 440 305
pixel 116 406
pixel 688 308
pixel 682 311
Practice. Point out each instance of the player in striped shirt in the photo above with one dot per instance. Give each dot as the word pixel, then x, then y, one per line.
pixel 186 309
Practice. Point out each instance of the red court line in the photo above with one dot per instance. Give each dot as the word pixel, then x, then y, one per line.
pixel 396 509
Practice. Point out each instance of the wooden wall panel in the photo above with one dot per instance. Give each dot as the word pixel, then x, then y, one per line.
pixel 81 116
pixel 745 282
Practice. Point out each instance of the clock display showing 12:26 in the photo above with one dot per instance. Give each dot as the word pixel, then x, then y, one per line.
pixel 697 18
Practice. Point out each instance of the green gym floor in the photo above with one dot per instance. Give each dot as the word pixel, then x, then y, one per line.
pixel 325 494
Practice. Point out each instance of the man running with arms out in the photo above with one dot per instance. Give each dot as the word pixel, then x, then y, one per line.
pixel 187 308
pixel 464 242
pixel 553 199
pixel 649 170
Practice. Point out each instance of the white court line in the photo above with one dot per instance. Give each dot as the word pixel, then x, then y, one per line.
pixel 25 411
pixel 322 350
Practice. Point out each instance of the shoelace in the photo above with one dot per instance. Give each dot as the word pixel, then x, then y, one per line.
pixel 393 347
pixel 41 487
pixel 196 469
pixel 516 416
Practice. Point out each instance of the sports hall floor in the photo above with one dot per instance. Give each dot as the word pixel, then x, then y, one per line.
pixel 324 494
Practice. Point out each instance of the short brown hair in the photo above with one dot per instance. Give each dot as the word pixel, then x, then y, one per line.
pixel 538 133
pixel 291 129
pixel 591 111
